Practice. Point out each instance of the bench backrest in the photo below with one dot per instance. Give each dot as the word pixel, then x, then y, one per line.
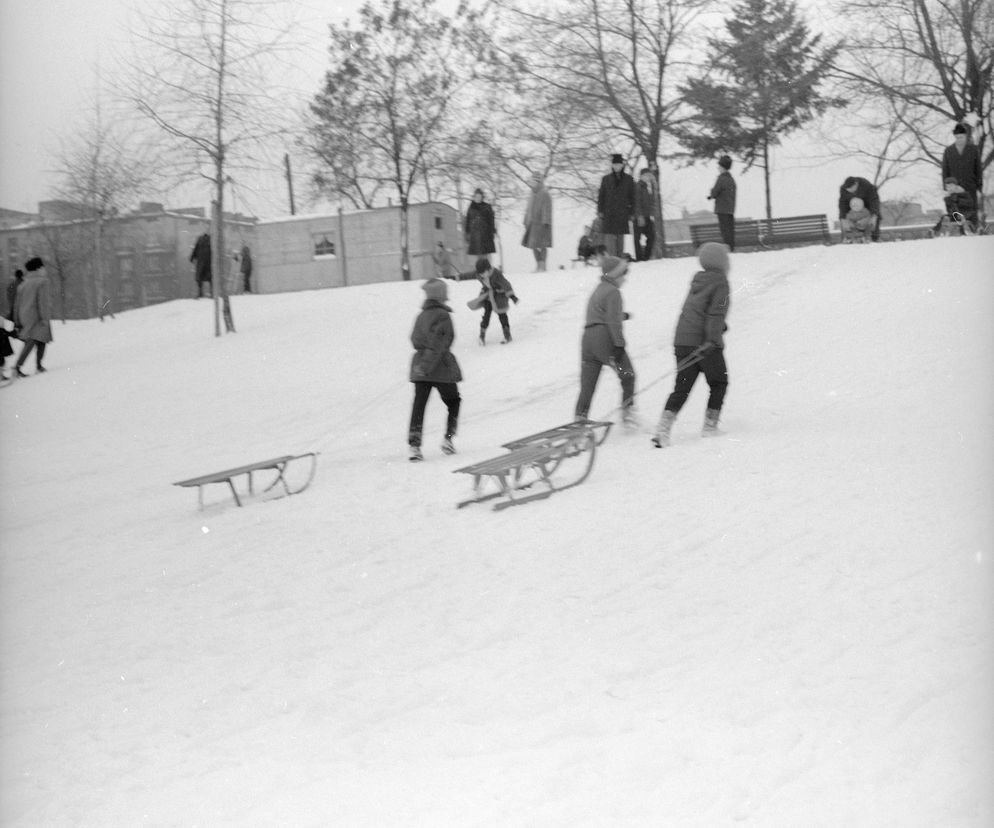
pixel 797 228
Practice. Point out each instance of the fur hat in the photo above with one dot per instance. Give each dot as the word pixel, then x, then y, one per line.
pixel 713 256
pixel 34 264
pixel 856 203
pixel 617 158
pixel 436 289
pixel 960 129
pixel 612 267
pixel 725 162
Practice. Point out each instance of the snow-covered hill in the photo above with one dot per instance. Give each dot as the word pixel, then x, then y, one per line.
pixel 789 625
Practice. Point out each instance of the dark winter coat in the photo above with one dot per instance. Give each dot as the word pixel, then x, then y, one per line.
pixel 704 310
pixel 201 257
pixel 34 306
pixel 964 167
pixel 864 190
pixel 645 201
pixel 616 203
pixel 432 338
pixel 723 193
pixel 496 290
pixel 480 229
pixel 10 299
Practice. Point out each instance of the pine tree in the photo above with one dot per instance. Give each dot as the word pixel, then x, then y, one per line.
pixel 760 85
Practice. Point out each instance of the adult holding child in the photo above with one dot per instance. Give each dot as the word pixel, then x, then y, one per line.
pixel 856 187
pixel 961 161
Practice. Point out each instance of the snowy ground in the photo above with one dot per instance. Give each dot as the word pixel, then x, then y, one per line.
pixel 790 625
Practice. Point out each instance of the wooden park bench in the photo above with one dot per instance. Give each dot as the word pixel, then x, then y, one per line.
pixel 747 233
pixel 796 230
pixel 535 459
pixel 276 464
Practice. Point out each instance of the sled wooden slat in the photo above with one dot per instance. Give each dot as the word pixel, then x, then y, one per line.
pixel 535 459
pixel 276 464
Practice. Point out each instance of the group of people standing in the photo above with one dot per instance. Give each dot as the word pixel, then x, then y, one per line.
pixel 27 306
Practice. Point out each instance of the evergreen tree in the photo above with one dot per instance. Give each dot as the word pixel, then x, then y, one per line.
pixel 761 84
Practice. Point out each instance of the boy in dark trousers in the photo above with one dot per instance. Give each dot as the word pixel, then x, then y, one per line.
pixel 495 290
pixel 723 194
pixel 699 342
pixel 434 366
pixel 603 342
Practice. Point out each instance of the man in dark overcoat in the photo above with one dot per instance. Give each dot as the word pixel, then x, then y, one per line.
pixel 961 160
pixel 616 206
pixel 201 258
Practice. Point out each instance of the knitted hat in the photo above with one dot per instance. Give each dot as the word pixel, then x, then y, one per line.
pixel 725 162
pixel 436 289
pixel 612 267
pixel 713 256
pixel 960 129
pixel 34 264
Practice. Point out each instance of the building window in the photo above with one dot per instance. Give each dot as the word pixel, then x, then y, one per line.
pixel 438 222
pixel 323 246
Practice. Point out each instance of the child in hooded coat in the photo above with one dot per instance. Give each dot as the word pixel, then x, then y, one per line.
pixel 434 366
pixel 699 344
pixel 603 341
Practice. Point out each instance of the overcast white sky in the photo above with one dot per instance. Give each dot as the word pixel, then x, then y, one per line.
pixel 49 51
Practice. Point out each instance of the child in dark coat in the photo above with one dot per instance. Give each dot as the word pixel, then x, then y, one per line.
pixel 699 342
pixel 495 291
pixel 434 366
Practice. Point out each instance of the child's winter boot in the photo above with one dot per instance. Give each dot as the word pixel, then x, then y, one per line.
pixel 710 428
pixel 483 336
pixel 661 439
pixel 448 447
pixel 507 336
pixel 415 454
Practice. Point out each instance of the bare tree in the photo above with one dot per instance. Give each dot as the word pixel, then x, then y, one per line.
pixel 103 168
pixel 204 77
pixel 615 63
pixel 387 100
pixel 930 61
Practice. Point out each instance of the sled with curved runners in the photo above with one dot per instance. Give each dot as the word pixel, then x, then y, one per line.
pixel 278 465
pixel 558 458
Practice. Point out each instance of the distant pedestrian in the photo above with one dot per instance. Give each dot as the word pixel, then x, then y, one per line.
pixel 961 160
pixel 34 316
pixel 434 366
pixel 723 194
pixel 480 227
pixel 699 344
pixel 538 222
pixel 245 266
pixel 203 269
pixel 495 291
pixel 856 187
pixel 8 310
pixel 616 206
pixel 645 210
pixel 603 342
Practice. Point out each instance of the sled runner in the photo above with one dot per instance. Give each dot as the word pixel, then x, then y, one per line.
pixel 277 464
pixel 535 459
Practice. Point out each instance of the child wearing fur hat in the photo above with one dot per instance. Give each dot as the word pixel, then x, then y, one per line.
pixel 699 342
pixel 434 366
pixel 603 341
pixel 859 220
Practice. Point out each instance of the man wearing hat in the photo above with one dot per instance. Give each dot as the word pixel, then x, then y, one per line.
pixel 603 342
pixel 723 193
pixel 856 187
pixel 961 161
pixel 616 206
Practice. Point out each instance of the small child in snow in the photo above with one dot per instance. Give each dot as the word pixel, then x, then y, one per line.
pixel 860 220
pixel 495 290
pixel 603 341
pixel 699 344
pixel 959 203
pixel 434 366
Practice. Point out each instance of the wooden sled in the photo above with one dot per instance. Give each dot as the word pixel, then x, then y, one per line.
pixel 277 464
pixel 535 459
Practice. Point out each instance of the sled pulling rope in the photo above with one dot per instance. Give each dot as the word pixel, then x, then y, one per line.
pixel 277 464
pixel 535 459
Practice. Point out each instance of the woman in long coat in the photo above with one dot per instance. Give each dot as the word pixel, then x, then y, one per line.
pixel 33 314
pixel 479 227
pixel 538 222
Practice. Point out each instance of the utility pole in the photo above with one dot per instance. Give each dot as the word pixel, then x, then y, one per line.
pixel 289 182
